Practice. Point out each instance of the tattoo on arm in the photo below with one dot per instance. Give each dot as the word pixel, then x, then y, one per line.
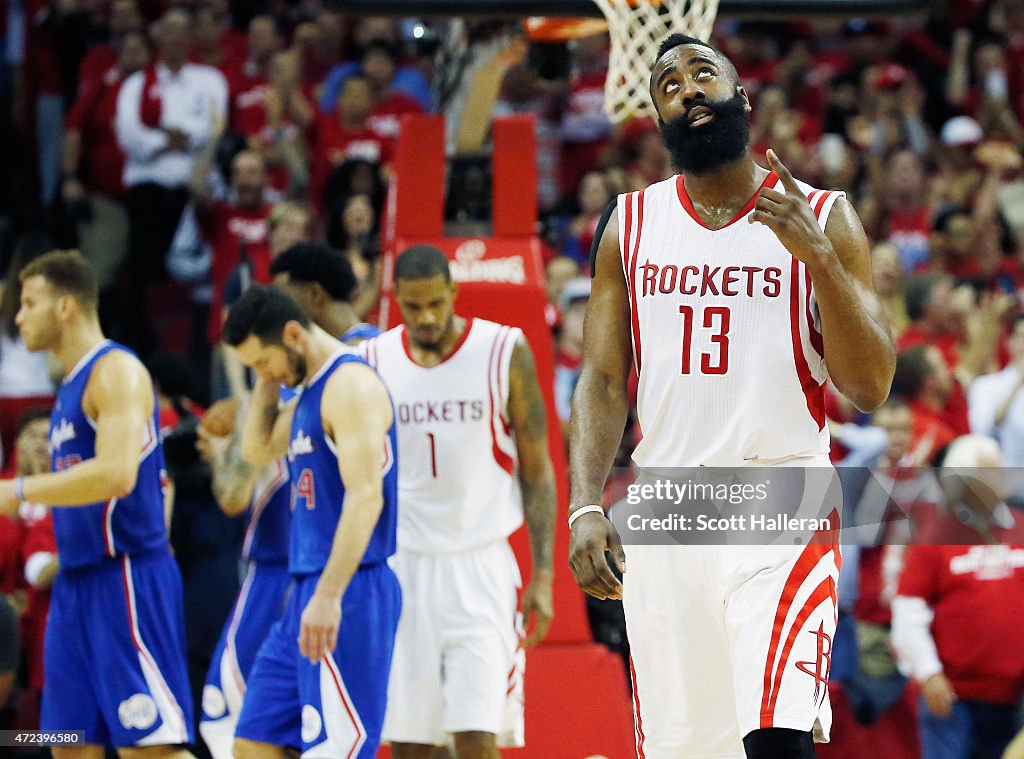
pixel 536 475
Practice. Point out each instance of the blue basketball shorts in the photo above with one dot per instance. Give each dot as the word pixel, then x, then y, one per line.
pixel 334 708
pixel 114 654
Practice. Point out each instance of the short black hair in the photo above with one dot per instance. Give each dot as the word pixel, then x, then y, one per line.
pixel 917 293
pixel 262 311
pixel 422 262
pixel 945 217
pixel 381 45
pixel 314 262
pixel 676 39
pixel 912 369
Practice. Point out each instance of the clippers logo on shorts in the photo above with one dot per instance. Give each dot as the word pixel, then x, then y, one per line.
pixel 137 712
pixel 214 704
pixel 312 724
pixel 819 668
pixel 301 444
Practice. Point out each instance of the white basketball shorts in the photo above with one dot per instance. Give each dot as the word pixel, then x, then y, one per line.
pixel 458 663
pixel 729 639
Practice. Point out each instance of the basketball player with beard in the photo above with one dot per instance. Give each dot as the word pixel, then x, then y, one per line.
pixel 726 286
pixel 319 682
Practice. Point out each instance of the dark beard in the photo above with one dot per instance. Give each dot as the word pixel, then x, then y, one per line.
pixel 298 366
pixel 703 149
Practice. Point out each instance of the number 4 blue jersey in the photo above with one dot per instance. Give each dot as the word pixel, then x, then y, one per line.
pixel 130 525
pixel 318 494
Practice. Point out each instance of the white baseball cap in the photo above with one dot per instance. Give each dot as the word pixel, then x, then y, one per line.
pixel 961 130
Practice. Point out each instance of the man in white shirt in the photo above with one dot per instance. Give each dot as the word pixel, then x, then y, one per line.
pixel 995 404
pixel 165 115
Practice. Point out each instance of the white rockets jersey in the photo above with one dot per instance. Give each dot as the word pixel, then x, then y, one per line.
pixel 457 483
pixel 726 334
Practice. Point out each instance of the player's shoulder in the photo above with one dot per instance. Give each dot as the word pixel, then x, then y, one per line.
pixel 118 359
pixel 487 331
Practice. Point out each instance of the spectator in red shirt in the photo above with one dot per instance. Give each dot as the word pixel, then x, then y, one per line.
pixel 380 65
pixel 248 83
pixel 124 18
pixel 956 607
pixel 276 125
pixel 964 328
pixel 92 186
pixel 905 213
pixel 37 553
pixel 234 227
pixel 347 135
pixel 586 130
pixel 320 45
pixel 594 194
pixel 924 381
pixel 215 43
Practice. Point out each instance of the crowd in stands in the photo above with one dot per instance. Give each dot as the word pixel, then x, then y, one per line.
pixel 182 146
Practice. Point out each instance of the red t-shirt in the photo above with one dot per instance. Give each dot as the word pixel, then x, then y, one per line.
pixel 333 144
pixel 385 119
pixel 954 415
pixel 93 114
pixel 926 422
pixel 230 231
pixel 94 67
pixel 977 594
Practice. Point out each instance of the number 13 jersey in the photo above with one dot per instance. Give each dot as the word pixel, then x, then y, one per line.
pixel 457 483
pixel 725 331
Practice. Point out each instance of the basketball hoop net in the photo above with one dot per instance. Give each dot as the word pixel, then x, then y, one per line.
pixel 637 28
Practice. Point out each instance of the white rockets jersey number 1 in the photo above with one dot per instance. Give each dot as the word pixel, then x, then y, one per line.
pixel 457 483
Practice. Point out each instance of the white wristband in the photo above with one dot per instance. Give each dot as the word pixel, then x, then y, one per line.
pixel 591 509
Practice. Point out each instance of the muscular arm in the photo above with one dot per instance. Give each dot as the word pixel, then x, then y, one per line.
pixel 601 402
pixel 537 480
pixel 356 413
pixel 599 411
pixel 536 475
pixel 233 478
pixel 119 399
pixel 267 425
pixel 859 350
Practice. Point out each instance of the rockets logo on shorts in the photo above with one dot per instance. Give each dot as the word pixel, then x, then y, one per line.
pixel 819 668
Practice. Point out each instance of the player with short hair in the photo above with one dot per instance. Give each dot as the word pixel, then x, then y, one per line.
pixel 115 642
pixel 726 286
pixel 321 280
pixel 473 446
pixel 264 495
pixel 319 683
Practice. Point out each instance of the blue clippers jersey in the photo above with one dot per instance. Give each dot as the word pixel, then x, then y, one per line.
pixel 270 515
pixel 130 525
pixel 317 490
pixel 360 332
